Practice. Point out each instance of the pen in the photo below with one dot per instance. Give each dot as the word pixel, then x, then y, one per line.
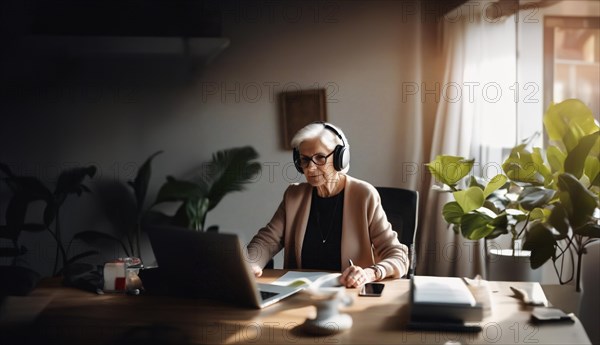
pixel 351 263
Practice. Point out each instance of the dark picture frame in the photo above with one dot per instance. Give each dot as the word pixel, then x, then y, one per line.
pixel 299 108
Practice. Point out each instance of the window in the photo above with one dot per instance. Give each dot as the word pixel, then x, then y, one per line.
pixel 572 60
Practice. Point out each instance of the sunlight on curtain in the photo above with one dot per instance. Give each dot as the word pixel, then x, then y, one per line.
pixel 495 65
pixel 477 120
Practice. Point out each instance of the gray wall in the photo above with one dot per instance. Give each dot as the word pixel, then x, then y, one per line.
pixel 115 112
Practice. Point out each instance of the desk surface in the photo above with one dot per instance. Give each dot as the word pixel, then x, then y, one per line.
pixel 66 315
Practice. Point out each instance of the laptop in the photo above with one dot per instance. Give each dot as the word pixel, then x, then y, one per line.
pixel 209 265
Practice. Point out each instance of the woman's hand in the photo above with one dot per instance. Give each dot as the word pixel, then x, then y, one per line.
pixel 355 276
pixel 256 270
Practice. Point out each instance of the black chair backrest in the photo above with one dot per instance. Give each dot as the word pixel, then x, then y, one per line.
pixel 401 207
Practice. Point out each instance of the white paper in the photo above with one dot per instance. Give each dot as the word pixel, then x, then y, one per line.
pixel 443 290
pixel 308 278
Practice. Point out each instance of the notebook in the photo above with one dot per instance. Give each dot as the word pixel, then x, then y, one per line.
pixel 209 265
pixel 445 303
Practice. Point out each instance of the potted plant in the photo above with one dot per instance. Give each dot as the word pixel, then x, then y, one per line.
pixel 122 205
pixel 27 190
pixel 228 171
pixel 482 209
pixel 552 203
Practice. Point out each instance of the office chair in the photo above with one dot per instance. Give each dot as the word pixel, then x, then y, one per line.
pixel 402 208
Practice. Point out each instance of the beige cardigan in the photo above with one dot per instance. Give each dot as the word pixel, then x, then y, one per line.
pixel 367 236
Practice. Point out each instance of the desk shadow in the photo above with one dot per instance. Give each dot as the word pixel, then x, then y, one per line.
pixel 122 319
pixel 154 334
pixel 292 302
pixel 397 321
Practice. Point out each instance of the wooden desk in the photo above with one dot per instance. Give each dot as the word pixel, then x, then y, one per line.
pixel 68 315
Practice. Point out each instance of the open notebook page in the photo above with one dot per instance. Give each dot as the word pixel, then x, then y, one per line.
pixel 443 290
pixel 321 279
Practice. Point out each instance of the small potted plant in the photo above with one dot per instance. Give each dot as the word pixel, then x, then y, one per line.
pixel 551 204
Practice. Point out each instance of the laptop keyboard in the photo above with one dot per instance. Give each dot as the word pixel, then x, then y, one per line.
pixel 266 294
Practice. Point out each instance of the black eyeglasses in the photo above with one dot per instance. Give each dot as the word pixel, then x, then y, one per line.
pixel 318 159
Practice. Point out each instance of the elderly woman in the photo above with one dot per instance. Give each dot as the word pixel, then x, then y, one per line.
pixel 334 222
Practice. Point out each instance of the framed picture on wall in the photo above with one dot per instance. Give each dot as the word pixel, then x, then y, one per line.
pixel 300 108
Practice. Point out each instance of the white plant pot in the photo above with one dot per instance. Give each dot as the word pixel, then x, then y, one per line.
pixel 564 297
pixel 504 265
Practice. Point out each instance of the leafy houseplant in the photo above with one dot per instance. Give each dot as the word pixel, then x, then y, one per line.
pixel 550 203
pixel 123 206
pixel 228 171
pixel 28 189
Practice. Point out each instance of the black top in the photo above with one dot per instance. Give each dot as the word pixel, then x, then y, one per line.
pixel 322 246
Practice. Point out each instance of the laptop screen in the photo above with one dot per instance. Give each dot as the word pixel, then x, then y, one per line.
pixel 203 264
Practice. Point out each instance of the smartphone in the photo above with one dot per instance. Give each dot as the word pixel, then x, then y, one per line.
pixel 371 289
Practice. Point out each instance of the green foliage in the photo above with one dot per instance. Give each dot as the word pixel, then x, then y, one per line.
pixel 28 189
pixel 450 169
pixel 553 199
pixel 123 206
pixel 228 171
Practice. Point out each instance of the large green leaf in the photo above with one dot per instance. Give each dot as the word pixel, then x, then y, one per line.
pixel 556 159
pixel 495 183
pixel 469 199
pixel 473 182
pixel 501 220
pixel 538 160
pixel 179 190
pixel 539 213
pixel 450 169
pixel 196 210
pixel 532 197
pixel 568 121
pixel 475 226
pixel 589 230
pixel 577 200
pixel 521 166
pixel 70 181
pixel 141 181
pixel 500 226
pixel 540 241
pixel 452 212
pixel 575 161
pixel 498 231
pixel 229 171
pixel 559 220
pixel 592 170
pixel 491 206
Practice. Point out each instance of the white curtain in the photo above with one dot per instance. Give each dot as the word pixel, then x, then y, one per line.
pixel 475 118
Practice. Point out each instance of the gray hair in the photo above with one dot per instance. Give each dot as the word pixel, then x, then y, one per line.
pixel 317 130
